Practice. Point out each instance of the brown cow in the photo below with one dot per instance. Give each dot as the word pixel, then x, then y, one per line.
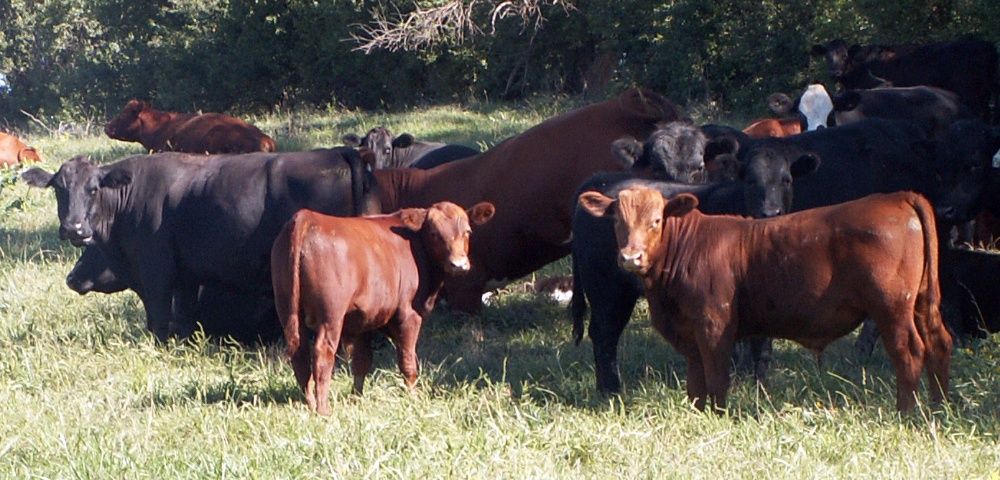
pixel 186 132
pixel 810 277
pixel 774 128
pixel 348 277
pixel 532 179
pixel 13 151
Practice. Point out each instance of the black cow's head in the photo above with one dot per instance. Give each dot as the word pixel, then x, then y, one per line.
pixel 966 165
pixel 94 273
pixel 78 185
pixel 676 151
pixel 837 56
pixel 767 174
pixel 381 142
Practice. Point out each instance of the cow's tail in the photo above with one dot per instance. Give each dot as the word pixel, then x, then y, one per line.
pixel 929 282
pixel 267 144
pixel 578 304
pixel 297 230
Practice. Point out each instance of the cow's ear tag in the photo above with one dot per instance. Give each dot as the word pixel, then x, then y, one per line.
pixel 996 159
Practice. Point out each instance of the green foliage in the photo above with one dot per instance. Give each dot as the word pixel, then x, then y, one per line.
pixel 76 59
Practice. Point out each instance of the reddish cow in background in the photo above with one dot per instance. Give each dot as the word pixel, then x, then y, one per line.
pixel 532 179
pixel 13 151
pixel 186 132
pixel 344 278
pixel 810 276
pixel 774 128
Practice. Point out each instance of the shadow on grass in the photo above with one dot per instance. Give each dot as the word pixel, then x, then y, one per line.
pixel 35 243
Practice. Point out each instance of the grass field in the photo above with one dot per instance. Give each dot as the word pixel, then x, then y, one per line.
pixel 86 392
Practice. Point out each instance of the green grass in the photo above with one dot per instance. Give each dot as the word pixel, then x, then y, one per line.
pixel 86 392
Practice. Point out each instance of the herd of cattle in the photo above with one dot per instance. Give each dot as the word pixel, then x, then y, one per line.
pixel 223 230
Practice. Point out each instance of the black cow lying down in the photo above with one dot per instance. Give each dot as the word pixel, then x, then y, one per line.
pixel 176 222
pixel 248 318
pixel 405 151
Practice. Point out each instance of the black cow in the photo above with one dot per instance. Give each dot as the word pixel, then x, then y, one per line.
pixel 249 318
pixel 933 108
pixel 966 170
pixel 405 151
pixel 612 292
pixel 970 290
pixel 966 66
pixel 176 222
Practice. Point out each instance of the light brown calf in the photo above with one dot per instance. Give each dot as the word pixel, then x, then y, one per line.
pixel 13 151
pixel 810 277
pixel 340 279
pixel 774 128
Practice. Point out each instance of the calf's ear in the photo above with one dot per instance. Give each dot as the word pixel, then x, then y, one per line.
pixel 627 150
pixel 351 140
pixel 481 213
pixel 413 218
pixel 597 204
pixel 29 155
pixel 781 104
pixel 680 205
pixel 804 165
pixel 402 141
pixel 36 177
pixel 115 178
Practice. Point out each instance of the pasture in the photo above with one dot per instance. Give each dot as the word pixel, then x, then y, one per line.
pixel 86 391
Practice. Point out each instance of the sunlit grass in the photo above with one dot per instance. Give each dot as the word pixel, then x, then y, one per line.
pixel 86 392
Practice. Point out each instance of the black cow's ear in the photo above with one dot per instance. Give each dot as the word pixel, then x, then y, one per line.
pixel 481 213
pixel 115 178
pixel 627 150
pixel 781 104
pixel 36 177
pixel 804 165
pixel 402 141
pixel 413 218
pixel 722 168
pixel 597 204
pixel 351 140
pixel 848 100
pixel 817 50
pixel 680 205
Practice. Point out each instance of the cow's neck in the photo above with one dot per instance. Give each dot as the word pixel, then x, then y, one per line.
pixel 111 202
pixel 157 126
pixel 678 246
pixel 410 187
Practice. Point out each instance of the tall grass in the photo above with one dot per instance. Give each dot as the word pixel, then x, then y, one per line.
pixel 86 392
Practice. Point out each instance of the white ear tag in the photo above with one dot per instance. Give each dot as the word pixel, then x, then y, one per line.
pixel 996 159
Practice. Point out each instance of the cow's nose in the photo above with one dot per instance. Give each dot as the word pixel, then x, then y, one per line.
pixel 770 212
pixel 631 259
pixel 461 264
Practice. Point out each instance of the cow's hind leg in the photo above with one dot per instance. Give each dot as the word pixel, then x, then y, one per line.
pixel 906 351
pixel 938 345
pixel 361 361
pixel 611 308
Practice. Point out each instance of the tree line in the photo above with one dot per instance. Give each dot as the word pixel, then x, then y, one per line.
pixel 73 59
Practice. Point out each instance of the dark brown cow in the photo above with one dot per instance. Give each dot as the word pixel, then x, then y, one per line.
pixel 532 179
pixel 810 277
pixel 774 128
pixel 13 151
pixel 186 132
pixel 343 278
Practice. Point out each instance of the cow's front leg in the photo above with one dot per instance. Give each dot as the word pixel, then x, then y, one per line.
pixel 185 304
pixel 405 334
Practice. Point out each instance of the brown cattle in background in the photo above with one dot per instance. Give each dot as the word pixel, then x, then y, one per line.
pixel 186 132
pixel 338 278
pixel 13 151
pixel 810 276
pixel 532 179
pixel 773 128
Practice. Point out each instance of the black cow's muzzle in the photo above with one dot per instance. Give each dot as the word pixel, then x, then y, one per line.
pixel 77 234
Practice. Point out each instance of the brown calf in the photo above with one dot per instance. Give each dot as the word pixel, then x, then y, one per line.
pixel 810 277
pixel 774 128
pixel 186 132
pixel 348 277
pixel 13 151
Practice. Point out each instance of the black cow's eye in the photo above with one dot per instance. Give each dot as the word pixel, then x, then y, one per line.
pixel 92 191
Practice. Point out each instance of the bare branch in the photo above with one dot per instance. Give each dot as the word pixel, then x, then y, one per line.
pixel 452 22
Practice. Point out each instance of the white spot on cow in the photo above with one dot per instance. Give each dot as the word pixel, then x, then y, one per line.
pixel 996 159
pixel 487 298
pixel 913 224
pixel 816 105
pixel 562 296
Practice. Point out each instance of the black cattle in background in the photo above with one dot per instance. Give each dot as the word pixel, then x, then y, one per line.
pixel 405 151
pixel 176 222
